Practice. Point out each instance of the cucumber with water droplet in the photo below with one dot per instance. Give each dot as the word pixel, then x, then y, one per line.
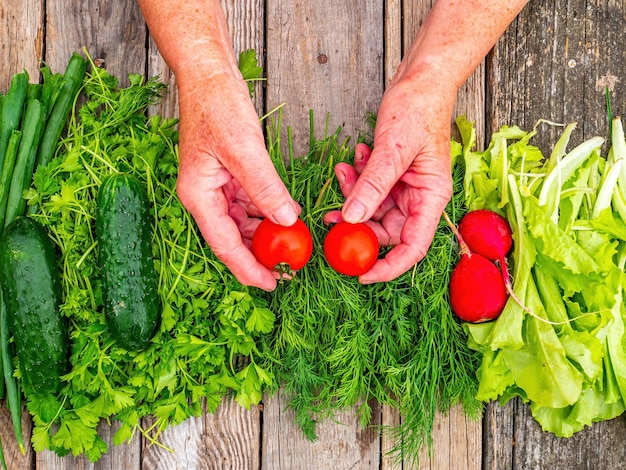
pixel 132 306
pixel 31 287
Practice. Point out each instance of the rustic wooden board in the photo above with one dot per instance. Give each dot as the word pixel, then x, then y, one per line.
pixel 22 38
pixel 342 442
pixel 111 31
pixel 329 60
pixel 553 62
pixel 12 454
pixel 228 439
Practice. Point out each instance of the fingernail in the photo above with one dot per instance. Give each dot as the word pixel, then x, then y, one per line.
pixel 354 212
pixel 285 215
pixel 340 176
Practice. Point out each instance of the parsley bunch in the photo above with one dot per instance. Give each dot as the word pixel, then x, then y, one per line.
pixel 207 343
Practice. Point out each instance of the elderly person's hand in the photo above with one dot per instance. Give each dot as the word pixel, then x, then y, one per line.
pixel 406 179
pixel 226 175
pixel 401 188
pixel 226 178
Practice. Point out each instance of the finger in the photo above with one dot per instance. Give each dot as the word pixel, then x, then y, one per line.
pixel 245 224
pixel 415 238
pixel 333 217
pixel 382 171
pixel 400 258
pixel 362 153
pixel 347 176
pixel 249 163
pixel 210 211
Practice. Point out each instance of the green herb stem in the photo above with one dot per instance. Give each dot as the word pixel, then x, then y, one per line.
pixel 13 398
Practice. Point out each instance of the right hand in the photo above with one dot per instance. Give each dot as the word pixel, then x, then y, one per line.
pixel 226 179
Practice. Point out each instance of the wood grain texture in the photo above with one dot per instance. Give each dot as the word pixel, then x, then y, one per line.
pixel 110 30
pixel 122 457
pixel 342 443
pixel 554 62
pixel 392 38
pixel 229 439
pixel 329 60
pixel 457 443
pixel 14 458
pixel 21 38
pixel 390 419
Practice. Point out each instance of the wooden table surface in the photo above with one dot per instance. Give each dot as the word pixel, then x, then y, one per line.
pixel 553 62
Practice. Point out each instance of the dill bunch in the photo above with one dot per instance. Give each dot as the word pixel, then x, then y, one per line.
pixel 338 344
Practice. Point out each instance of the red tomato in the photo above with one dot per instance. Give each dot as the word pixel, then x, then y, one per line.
pixel 282 248
pixel 351 249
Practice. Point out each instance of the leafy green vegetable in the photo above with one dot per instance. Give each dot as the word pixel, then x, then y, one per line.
pixel 564 352
pixel 249 68
pixel 207 343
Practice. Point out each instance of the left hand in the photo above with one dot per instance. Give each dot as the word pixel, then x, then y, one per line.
pixel 401 187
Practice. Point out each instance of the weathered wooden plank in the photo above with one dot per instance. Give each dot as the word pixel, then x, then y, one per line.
pixel 21 39
pixel 393 38
pixel 227 439
pixel 342 443
pixel 554 63
pixel 499 432
pixel 457 443
pixel 110 30
pixel 390 419
pixel 126 456
pixel 329 60
pixel 599 446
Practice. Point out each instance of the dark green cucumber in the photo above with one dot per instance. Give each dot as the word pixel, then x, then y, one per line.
pixel 31 287
pixel 129 281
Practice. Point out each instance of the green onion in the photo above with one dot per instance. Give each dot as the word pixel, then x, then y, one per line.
pixel 5 176
pixel 13 104
pixel 13 395
pixel 2 461
pixel 25 162
pixel 72 81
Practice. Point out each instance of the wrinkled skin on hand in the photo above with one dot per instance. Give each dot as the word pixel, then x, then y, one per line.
pixel 226 178
pixel 403 185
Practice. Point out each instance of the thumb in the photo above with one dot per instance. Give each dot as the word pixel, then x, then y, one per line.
pixel 260 181
pixel 269 194
pixel 382 171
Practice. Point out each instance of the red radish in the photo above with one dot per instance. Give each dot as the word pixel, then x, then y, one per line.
pixel 477 291
pixel 487 233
